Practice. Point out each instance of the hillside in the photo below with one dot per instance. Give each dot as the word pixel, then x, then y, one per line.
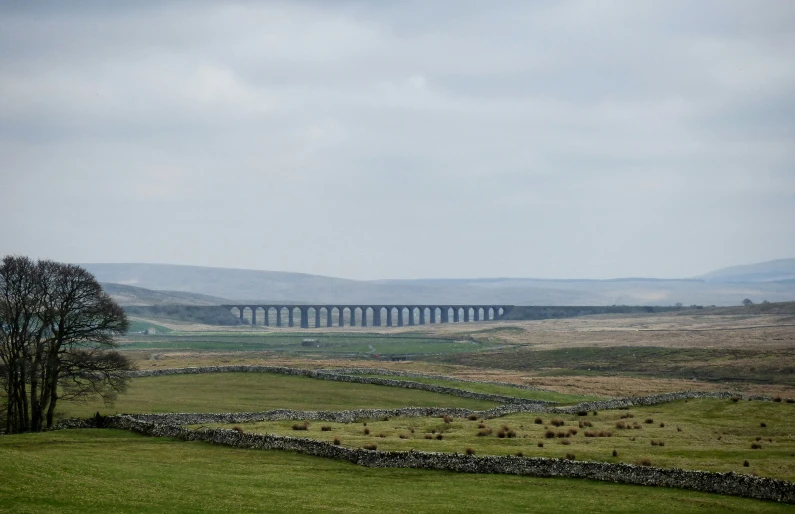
pixel 272 286
pixel 130 295
pixel 771 271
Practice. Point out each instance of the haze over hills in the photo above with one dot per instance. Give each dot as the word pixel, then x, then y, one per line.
pixel 772 281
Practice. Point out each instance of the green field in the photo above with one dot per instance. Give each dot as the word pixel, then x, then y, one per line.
pixel 517 392
pixel 712 435
pixel 116 471
pixel 240 392
pixel 328 344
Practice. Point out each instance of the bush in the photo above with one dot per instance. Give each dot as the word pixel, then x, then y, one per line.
pixel 549 434
pixel 439 437
pixel 511 433
pixel 621 425
pixel 325 428
pixel 662 425
pixel 586 424
pixel 540 444
pixel 605 433
pixel 560 435
pixel 301 426
pixel 370 446
pixel 571 432
pixel 628 415
pixel 403 436
pixel 777 399
pixel 428 436
pixel 557 422
pixel 501 434
pixel 565 442
pixel 336 441
pixel 615 453
pixel 763 425
pixel 539 421
pixel 756 446
pixel 470 451
pixel 484 431
pixel 582 412
pixel 481 425
pixel 735 399
pixel 745 464
pixel 595 413
pixel 366 431
pixel 382 435
pixel 473 417
pixel 519 454
pixel 570 456
pixel 643 462
pixel 447 419
pixel 649 421
pixel 237 429
pixel 588 433
pixel 790 400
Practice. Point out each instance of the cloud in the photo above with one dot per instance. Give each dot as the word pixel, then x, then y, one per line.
pixel 375 140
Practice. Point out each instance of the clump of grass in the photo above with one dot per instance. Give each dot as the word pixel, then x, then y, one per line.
pixel 595 413
pixel 337 441
pixel 756 446
pixel 763 425
pixel 481 425
pixel 473 417
pixel 657 443
pixel 382 435
pixel 678 429
pixel 484 431
pixel 565 442
pixel 428 436
pixel 615 453
pixel 582 412
pixel 745 464
pixel 403 436
pixel 366 431
pixel 585 423
pixel 370 446
pixel 759 438
pixel 571 432
pixel 511 433
pixel 621 425
pixel 628 415
pixel 557 422
pixel 364 424
pixel 662 425
pixel 643 462
pixel 570 456
pixel 539 421
pixel 777 399
pixel 439 437
pixel 604 433
pixel 301 426
pixel 589 433
pixel 519 454
pixel 549 434
pixel 470 451
pixel 560 435
pixel 501 433
pixel 540 444
pixel 735 399
pixel 325 428
pixel 447 419
pixel 649 421
pixel 385 418
pixel 790 400
pixel 238 429
pixel 636 426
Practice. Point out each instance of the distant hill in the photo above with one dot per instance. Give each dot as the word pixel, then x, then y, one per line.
pixel 771 271
pixel 129 295
pixel 274 286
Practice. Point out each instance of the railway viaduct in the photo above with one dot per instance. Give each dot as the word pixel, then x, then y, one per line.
pixel 375 315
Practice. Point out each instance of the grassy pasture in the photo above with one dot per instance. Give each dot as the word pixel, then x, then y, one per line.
pixel 716 435
pixel 105 470
pixel 238 392
pixel 517 392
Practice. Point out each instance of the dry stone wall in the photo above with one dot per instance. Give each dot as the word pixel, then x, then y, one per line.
pixel 709 482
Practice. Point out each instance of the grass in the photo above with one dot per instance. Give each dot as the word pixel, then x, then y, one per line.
pixel 328 344
pixel 714 435
pixel 530 394
pixel 238 392
pixel 105 470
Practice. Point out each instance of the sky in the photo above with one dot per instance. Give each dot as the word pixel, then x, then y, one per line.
pixel 411 139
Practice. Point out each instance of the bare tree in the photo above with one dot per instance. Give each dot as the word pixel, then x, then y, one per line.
pixel 57 335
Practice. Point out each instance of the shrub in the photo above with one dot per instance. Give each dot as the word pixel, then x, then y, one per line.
pixel 571 432
pixel 649 421
pixel 586 423
pixel 364 424
pixel 570 456
pixel 501 433
pixel 325 428
pixel 549 434
pixel 565 442
pixel 621 425
pixel 756 446
pixel 643 462
pixel 511 433
pixel 385 418
pixel 790 400
pixel 628 415
pixel 484 431
pixel 763 425
pixel 366 431
pixel 777 399
pixel 557 422
pixel 519 454
pixel 588 433
pixel 678 429
pixel 745 464
pixel 735 399
pixel 662 425
pixel 448 419
pixel 381 435
pixel 428 436
pixel 433 431
pixel 561 435
pixel 758 438
pixel 237 429
pixel 370 446
pixel 605 433
pixel 301 426
pixel 481 425
pixel 615 453
pixel 411 430
pixel 403 436
pixel 336 441
pixel 473 417
pixel 439 437
pixel 539 421
pixel 582 412
pixel 470 451
pixel 540 444
pixel 595 413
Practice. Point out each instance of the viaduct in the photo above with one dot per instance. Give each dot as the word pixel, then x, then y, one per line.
pixel 378 315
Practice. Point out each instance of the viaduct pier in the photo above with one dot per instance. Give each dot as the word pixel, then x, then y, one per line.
pixel 316 316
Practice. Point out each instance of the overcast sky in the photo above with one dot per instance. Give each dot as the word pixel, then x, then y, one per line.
pixel 552 139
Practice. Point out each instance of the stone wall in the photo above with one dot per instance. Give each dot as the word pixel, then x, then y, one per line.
pixel 709 482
